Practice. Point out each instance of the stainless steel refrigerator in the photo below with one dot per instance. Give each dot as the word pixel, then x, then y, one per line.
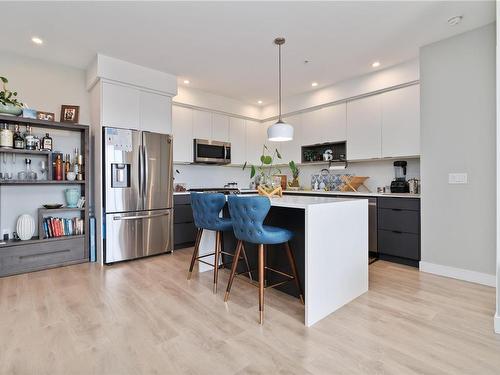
pixel 138 201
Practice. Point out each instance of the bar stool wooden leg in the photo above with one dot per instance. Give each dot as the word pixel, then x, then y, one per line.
pixel 293 265
pixel 236 258
pixel 261 283
pixel 216 259
pixel 195 252
pixel 246 260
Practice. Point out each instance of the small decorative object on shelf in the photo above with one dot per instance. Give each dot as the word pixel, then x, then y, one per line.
pixel 72 197
pixel 6 137
pixel 29 113
pixel 70 113
pixel 9 105
pixel 58 169
pixel 18 138
pixel 25 227
pixel 47 143
pixel 47 116
pixel 30 139
pixel 52 206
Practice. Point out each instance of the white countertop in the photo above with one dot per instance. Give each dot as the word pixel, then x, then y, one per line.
pixel 359 194
pixel 303 202
pixel 326 193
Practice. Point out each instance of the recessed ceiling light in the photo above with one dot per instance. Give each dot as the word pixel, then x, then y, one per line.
pixel 455 20
pixel 259 101
pixel 376 64
pixel 314 84
pixel 37 40
pixel 186 81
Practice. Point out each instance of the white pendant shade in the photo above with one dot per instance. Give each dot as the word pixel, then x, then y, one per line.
pixel 280 132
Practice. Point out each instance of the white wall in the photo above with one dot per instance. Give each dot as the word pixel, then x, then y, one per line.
pixel 378 80
pixel 46 86
pixel 43 86
pixel 457 80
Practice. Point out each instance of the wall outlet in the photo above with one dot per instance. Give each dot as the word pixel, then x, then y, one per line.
pixel 457 178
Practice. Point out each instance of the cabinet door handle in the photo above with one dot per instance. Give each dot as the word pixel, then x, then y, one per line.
pixel 397 231
pixel 396 209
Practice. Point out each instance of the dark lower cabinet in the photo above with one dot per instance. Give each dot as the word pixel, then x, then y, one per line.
pixel 184 229
pixel 399 230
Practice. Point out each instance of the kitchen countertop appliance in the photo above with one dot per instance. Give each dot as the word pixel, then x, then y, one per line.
pixel 399 184
pixel 138 199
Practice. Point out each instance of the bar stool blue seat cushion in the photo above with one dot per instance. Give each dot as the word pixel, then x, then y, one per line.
pixel 248 214
pixel 206 208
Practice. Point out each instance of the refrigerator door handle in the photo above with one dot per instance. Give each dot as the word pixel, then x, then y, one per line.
pixel 146 172
pixel 138 217
pixel 140 171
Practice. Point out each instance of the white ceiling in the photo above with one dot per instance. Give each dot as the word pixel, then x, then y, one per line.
pixel 226 47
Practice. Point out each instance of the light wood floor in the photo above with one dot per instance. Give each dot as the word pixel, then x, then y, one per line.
pixel 144 317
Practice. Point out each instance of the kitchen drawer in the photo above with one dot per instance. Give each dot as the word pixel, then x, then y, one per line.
pixel 399 203
pixel 399 220
pixel 182 199
pixel 37 256
pixel 183 214
pixel 184 233
pixel 405 245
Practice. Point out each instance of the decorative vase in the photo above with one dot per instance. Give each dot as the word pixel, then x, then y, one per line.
pixel 10 109
pixel 25 227
pixel 72 197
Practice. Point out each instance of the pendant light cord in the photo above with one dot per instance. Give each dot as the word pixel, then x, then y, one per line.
pixel 279 81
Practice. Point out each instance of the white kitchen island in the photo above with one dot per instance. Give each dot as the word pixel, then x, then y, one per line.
pixel 331 247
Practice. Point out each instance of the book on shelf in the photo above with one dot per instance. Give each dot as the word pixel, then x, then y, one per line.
pixel 60 227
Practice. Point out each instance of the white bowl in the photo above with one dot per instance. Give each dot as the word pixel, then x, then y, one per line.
pixel 70 176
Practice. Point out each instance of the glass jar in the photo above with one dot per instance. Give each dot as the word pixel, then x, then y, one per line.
pixel 6 137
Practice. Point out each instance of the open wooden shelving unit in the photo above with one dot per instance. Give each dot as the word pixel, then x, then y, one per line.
pixel 42 253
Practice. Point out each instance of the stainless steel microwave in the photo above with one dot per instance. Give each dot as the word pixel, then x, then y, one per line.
pixel 211 152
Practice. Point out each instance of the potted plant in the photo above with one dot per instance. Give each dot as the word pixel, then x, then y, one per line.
pixel 266 171
pixel 8 100
pixel 295 174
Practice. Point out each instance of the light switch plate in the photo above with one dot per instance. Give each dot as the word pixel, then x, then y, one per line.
pixel 457 178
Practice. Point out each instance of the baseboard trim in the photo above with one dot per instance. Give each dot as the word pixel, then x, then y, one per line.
pixel 458 273
pixel 497 322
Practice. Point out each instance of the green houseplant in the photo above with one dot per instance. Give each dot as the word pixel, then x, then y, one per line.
pixel 295 174
pixel 9 104
pixel 266 170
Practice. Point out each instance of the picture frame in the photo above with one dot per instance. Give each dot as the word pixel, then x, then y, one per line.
pixel 47 116
pixel 70 113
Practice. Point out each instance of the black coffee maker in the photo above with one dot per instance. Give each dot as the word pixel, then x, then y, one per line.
pixel 399 184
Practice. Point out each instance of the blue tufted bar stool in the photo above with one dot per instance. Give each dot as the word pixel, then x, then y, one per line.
pixel 248 214
pixel 206 208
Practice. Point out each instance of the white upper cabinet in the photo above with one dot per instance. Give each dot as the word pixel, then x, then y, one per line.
pixel 291 150
pixel 256 136
pixel 364 128
pixel 401 122
pixel 324 125
pixel 220 128
pixel 120 106
pixel 155 113
pixel 182 128
pixel 237 137
pixel 202 124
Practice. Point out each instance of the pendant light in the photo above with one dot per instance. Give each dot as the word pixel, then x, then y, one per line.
pixel 281 131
